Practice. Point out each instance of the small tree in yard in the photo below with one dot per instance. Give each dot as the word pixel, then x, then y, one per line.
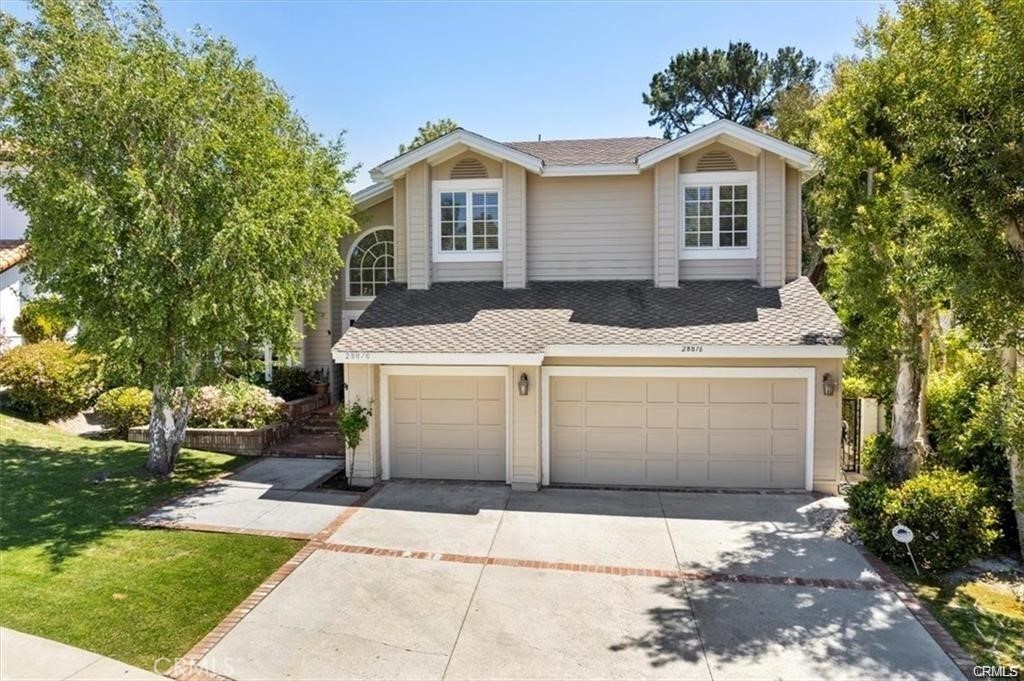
pixel 177 204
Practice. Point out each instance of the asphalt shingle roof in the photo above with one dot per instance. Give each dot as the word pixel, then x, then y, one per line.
pixel 588 151
pixel 483 317
pixel 12 252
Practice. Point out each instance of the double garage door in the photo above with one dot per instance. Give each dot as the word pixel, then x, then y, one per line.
pixel 676 432
pixel 718 432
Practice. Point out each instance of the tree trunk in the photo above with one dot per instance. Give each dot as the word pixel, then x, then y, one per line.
pixel 921 445
pixel 167 419
pixel 1010 366
pixel 907 397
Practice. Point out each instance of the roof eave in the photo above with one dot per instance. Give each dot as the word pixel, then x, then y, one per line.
pixel 800 158
pixel 397 166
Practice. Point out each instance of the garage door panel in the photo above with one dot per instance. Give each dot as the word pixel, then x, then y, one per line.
pixel 441 428
pixel 740 416
pixel 740 391
pixel 787 417
pixel 490 413
pixel 623 442
pixel 692 417
pixel 626 390
pixel 678 432
pixel 614 416
pixel 661 417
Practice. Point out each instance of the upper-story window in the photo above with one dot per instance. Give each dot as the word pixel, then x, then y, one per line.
pixel 467 220
pixel 718 215
pixel 371 263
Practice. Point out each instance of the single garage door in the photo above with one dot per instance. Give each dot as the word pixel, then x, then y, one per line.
pixel 719 432
pixel 447 427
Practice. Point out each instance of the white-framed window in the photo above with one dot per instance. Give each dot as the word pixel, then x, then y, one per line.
pixel 370 265
pixel 718 215
pixel 467 220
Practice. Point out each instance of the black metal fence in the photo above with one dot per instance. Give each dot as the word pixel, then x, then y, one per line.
pixel 851 435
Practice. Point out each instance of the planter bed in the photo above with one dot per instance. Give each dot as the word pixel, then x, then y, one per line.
pixel 244 441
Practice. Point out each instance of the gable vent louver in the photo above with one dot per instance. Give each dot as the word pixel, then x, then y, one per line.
pixel 716 160
pixel 468 169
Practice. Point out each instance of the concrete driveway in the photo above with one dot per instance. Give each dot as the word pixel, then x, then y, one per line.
pixel 464 581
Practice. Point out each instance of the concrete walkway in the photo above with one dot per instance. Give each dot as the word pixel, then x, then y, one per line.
pixel 273 497
pixel 24 657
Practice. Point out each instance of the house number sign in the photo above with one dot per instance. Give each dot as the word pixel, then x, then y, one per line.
pixel 691 349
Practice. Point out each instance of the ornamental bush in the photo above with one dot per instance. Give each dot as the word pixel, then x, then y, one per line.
pixel 291 383
pixel 946 509
pixel 122 408
pixel 41 319
pixel 878 459
pixel 50 379
pixel 235 405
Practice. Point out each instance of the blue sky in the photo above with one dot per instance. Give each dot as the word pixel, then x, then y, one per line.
pixel 508 71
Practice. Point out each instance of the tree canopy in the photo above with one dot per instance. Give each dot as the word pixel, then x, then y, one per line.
pixel 428 132
pixel 739 84
pixel 177 204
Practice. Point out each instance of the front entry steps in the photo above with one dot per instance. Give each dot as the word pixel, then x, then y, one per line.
pixel 316 438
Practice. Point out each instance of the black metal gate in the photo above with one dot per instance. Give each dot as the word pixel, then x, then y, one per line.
pixel 851 435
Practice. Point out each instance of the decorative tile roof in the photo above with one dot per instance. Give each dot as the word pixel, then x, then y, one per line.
pixel 484 317
pixel 12 252
pixel 613 150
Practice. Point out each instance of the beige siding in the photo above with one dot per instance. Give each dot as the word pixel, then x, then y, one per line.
pixel 666 226
pixel 771 217
pixel 794 215
pixel 514 226
pixel 417 192
pixel 401 232
pixel 363 464
pixel 466 271
pixel 525 427
pixel 318 337
pixel 827 410
pixel 718 270
pixel 591 227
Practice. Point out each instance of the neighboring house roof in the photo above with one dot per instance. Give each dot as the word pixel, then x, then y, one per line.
pixel 484 317
pixel 607 156
pixel 12 252
pixel 611 150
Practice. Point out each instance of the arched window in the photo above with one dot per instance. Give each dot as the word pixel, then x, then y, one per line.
pixel 371 263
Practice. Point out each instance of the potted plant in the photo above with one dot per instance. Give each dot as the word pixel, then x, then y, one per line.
pixel 320 381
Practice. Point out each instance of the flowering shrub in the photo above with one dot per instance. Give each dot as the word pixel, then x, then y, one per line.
pixel 122 408
pixel 50 379
pixel 235 405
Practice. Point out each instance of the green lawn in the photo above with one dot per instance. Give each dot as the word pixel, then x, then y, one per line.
pixel 982 615
pixel 70 569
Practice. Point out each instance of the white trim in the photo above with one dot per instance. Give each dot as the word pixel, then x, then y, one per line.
pixel 697 351
pixel 386 372
pixel 438 358
pixel 468 187
pixel 807 373
pixel 804 160
pixel 398 165
pixel 348 260
pixel 591 170
pixel 715 180
pixel 373 194
pixel 511 392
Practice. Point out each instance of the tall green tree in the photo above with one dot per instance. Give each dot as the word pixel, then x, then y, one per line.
pixel 428 132
pixel 739 84
pixel 883 236
pixel 177 203
pixel 960 65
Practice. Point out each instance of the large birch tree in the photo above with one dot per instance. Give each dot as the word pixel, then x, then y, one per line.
pixel 177 203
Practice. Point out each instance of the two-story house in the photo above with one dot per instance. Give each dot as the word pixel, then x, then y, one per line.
pixel 597 312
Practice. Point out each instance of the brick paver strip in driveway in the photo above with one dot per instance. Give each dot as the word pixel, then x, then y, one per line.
pixel 358 611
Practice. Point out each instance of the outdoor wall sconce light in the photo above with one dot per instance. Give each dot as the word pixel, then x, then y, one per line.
pixel 524 385
pixel 828 385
